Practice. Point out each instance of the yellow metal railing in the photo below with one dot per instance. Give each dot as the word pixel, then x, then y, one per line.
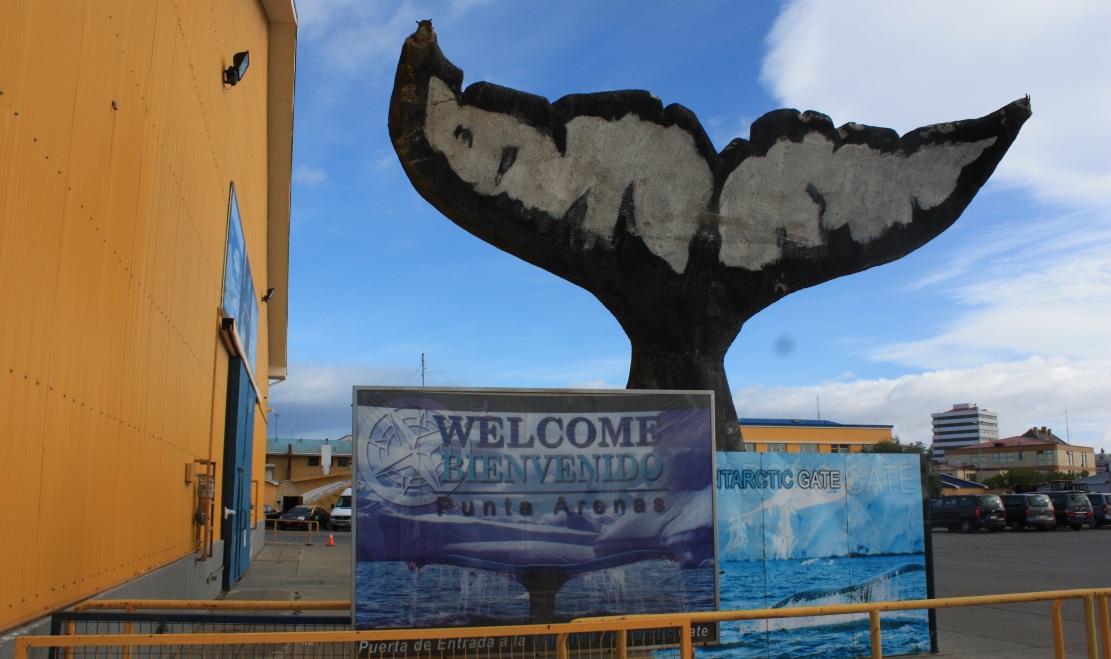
pixel 312 528
pixel 131 606
pixel 873 609
pixel 1095 603
pixel 459 643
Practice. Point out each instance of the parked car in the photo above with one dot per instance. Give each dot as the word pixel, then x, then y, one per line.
pixel 297 518
pixel 1072 509
pixel 271 514
pixel 1031 510
pixel 968 512
pixel 1101 508
pixel 341 512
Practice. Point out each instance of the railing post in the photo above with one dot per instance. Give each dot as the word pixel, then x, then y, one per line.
pixel 874 633
pixel 686 647
pixel 1090 627
pixel 71 630
pixel 1104 628
pixel 1058 631
pixel 128 628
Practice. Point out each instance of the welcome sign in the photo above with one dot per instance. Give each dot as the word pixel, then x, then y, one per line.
pixel 486 507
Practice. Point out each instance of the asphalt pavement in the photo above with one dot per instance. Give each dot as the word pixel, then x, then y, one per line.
pixel 289 569
pixel 969 564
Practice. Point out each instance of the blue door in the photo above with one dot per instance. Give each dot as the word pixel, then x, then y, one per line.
pixel 238 441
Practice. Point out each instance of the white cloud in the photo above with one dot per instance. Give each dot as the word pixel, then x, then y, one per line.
pixel 305 175
pixel 574 374
pixel 722 132
pixel 1032 293
pixel 315 401
pixel 357 35
pixel 1034 392
pixel 354 35
pixel 1041 294
pixel 594 384
pixel 904 65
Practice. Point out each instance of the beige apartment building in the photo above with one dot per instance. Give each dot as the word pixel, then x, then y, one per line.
pixel 1038 449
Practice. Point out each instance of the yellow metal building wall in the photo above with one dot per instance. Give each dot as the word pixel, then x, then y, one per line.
pixel 118 142
pixel 824 436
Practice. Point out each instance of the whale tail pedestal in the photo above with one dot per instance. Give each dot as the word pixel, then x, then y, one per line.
pixel 542 586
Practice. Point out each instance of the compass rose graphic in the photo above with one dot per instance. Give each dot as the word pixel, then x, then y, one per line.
pixel 404 457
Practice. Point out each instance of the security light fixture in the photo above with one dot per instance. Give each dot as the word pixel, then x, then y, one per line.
pixel 269 294
pixel 234 73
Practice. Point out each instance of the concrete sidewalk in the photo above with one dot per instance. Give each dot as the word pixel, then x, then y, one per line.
pixel 293 571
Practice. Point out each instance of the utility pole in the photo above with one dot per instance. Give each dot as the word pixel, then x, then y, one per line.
pixel 422 369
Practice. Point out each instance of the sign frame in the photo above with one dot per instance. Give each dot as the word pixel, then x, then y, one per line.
pixel 490 423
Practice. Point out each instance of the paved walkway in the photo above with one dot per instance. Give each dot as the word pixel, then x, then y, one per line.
pixel 292 570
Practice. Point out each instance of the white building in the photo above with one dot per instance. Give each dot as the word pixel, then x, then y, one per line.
pixel 964 425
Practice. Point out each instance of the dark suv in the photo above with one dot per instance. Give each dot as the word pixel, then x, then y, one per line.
pixel 1028 510
pixel 1072 509
pixel 1101 508
pixel 968 512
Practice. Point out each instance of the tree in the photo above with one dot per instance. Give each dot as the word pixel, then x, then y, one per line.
pixel 1026 481
pixel 894 445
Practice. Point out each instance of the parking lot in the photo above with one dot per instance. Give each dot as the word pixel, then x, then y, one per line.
pixel 1007 562
pixel 983 563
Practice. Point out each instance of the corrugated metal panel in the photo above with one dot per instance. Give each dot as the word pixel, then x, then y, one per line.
pixel 114 181
pixel 18 398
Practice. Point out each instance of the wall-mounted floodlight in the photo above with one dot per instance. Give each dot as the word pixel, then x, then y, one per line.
pixel 269 294
pixel 234 73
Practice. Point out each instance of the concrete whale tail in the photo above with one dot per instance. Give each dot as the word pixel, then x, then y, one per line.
pixel 628 199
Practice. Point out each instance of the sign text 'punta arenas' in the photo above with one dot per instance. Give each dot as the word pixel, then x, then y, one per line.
pixel 578 449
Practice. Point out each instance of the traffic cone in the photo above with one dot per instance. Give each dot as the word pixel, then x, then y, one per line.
pixel 331 540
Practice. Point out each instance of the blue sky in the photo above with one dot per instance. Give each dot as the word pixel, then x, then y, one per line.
pixel 1009 309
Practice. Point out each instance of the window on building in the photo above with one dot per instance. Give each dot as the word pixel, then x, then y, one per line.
pixel 343 462
pixel 1083 459
pixel 1040 458
pixel 777 448
pixel 838 448
pixel 314 461
pixel 808 448
pixel 1068 458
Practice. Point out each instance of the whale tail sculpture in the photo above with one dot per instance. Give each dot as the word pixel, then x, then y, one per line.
pixel 629 200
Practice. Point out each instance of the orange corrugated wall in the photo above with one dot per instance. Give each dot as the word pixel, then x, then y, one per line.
pixel 118 143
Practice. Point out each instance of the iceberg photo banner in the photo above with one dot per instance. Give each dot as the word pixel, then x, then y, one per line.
pixel 497 507
pixel 810 529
